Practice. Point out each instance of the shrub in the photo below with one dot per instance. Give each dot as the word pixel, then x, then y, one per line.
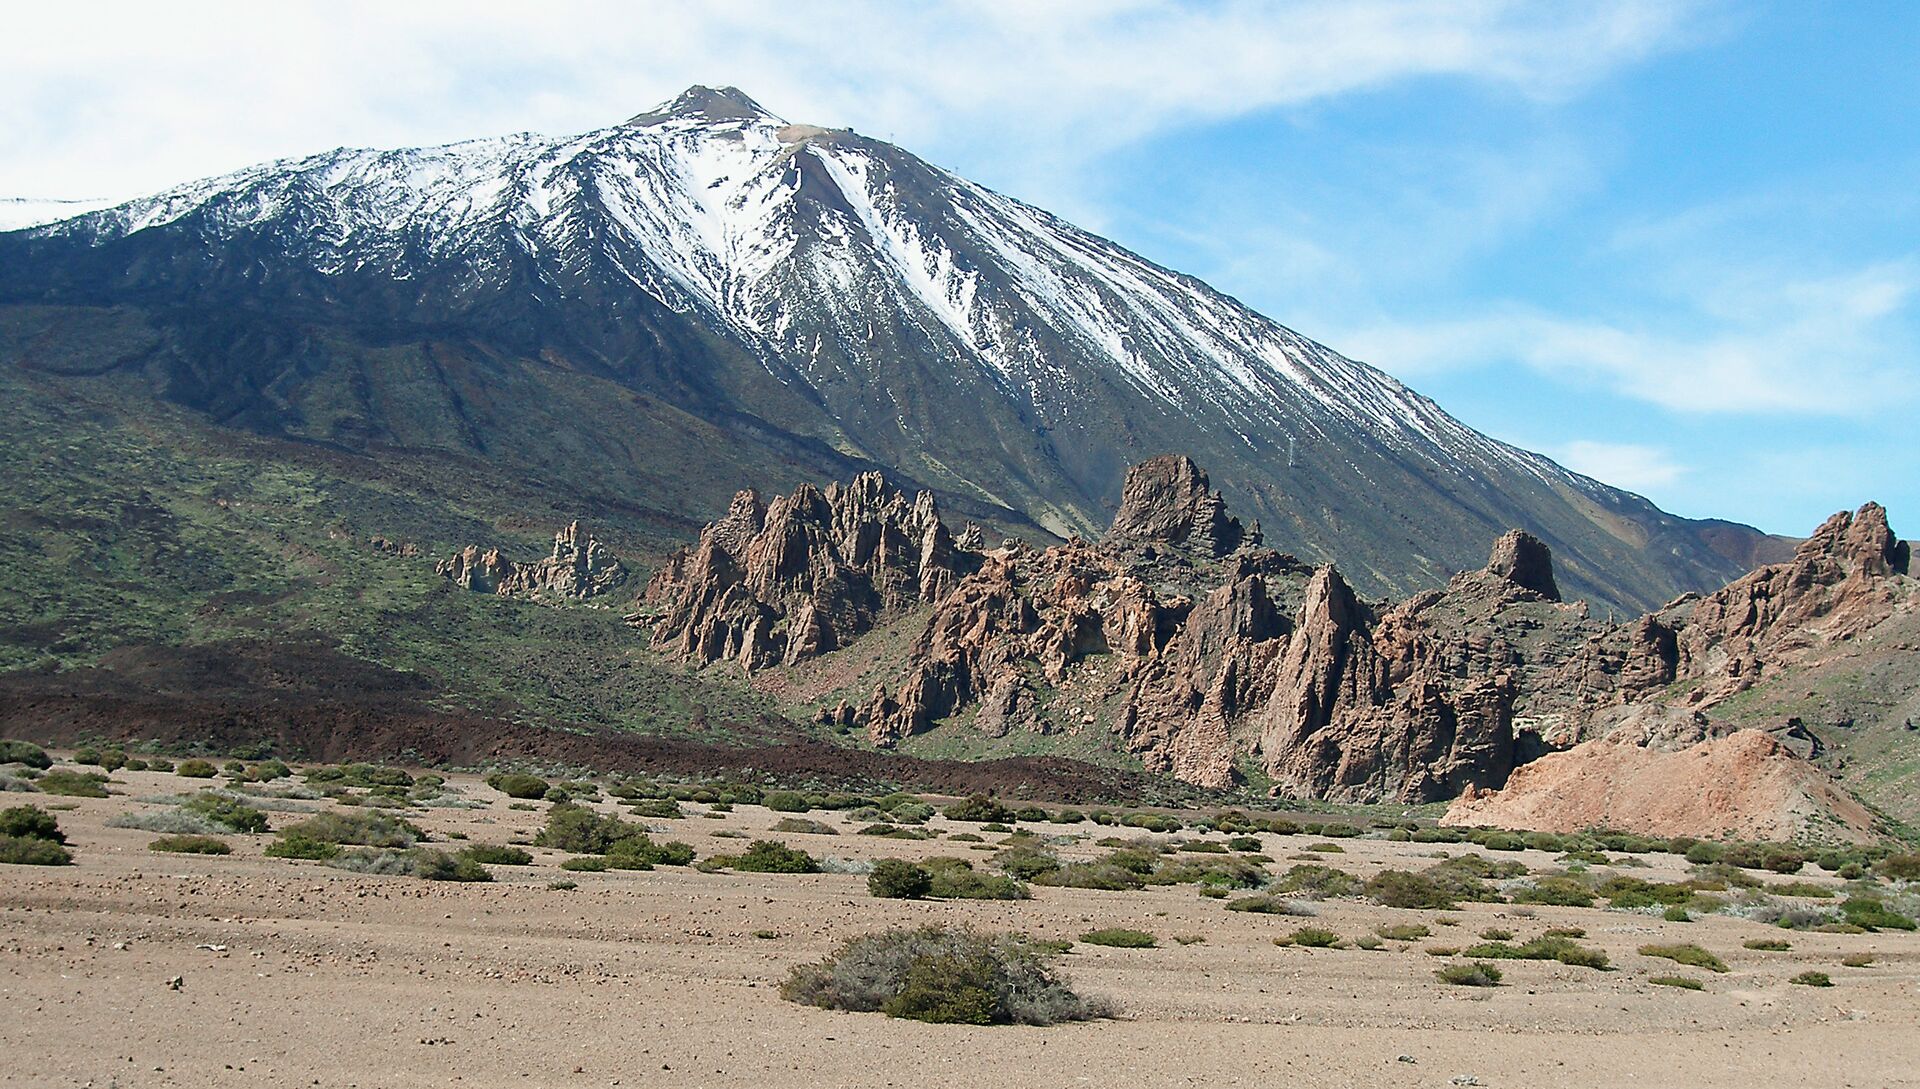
pixel 1315 880
pixel 786 801
pixel 31 822
pixel 1403 932
pixel 1477 974
pixel 1401 889
pixel 1557 949
pixel 1767 945
pixel 422 862
pixel 1863 911
pixel 1893 867
pixel 518 784
pixel 943 976
pixel 1685 953
pixel 493 854
pixel 231 812
pixel 1555 891
pixel 191 845
pixel 587 864
pixel 365 776
pixel 1801 888
pixel 897 879
pixel 803 826
pixel 296 844
pixel 1120 938
pixel 155 763
pixel 1566 932
pixel 956 879
pixel 372 829
pixel 73 784
pixel 32 851
pixel 195 769
pixel 1678 981
pixel 1265 905
pixel 1246 845
pixel 24 752
pixel 1105 876
pixel 1313 937
pixel 1813 979
pixel 978 809
pixel 659 809
pixel 1495 934
pixel 1026 863
pixel 1857 960
pixel 769 856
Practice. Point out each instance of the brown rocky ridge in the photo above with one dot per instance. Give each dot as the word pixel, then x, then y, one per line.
pixel 1180 639
pixel 580 567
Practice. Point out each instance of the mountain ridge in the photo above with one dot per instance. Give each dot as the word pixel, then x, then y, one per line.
pixel 806 292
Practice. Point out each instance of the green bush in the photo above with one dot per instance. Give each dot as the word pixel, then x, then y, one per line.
pixel 1026 863
pixel 518 784
pixel 1316 880
pixel 1120 938
pixel 422 862
pixel 769 856
pixel 1555 891
pixel 1103 876
pixel 364 829
pixel 1401 889
pixel 1403 932
pixel 1477 974
pixel 195 769
pixel 805 827
pixel 73 784
pixel 1264 905
pixel 1685 953
pixel 659 809
pixel 31 822
pixel 493 854
pixel 1893 867
pixel 943 976
pixel 1767 945
pixel 956 879
pixel 32 851
pixel 1869 912
pixel 1678 981
pixel 587 864
pixel 191 845
pixel 786 801
pixel 230 812
pixel 979 809
pixel 897 879
pixel 1312 937
pixel 1557 949
pixel 295 844
pixel 24 752
pixel 1813 979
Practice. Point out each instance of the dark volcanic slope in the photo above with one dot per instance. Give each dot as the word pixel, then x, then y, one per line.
pixel 705 298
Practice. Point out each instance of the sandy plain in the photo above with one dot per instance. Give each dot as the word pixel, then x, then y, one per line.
pixel 297 974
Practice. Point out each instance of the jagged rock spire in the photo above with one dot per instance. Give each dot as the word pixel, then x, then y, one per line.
pixel 1524 560
pixel 1167 500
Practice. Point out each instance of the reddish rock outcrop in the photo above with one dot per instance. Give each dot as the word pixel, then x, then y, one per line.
pixel 580 567
pixel 1745 785
pixel 1168 501
pixel 808 573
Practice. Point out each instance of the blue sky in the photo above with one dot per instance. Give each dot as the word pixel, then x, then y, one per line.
pixel 1672 244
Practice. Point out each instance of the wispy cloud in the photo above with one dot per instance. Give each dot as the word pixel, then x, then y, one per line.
pixel 1633 466
pixel 1831 345
pixel 142 94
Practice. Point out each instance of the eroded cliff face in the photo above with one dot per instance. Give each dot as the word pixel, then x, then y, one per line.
pixel 1180 639
pixel 778 583
pixel 580 567
pixel 1177 635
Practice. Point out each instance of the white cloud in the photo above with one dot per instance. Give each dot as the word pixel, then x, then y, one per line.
pixel 120 97
pixel 1833 345
pixel 1627 465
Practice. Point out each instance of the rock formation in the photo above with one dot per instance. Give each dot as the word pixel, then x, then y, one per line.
pixel 1179 639
pixel 1745 785
pixel 773 584
pixel 579 568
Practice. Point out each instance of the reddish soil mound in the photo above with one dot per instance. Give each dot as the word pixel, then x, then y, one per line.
pixel 312 702
pixel 1744 785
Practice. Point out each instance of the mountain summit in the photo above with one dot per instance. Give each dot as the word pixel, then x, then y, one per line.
pixel 654 315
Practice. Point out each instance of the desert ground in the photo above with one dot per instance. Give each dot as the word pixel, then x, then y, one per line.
pixel 293 973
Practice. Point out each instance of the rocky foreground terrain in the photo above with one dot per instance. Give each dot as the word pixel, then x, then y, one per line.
pixel 138 968
pixel 1182 641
